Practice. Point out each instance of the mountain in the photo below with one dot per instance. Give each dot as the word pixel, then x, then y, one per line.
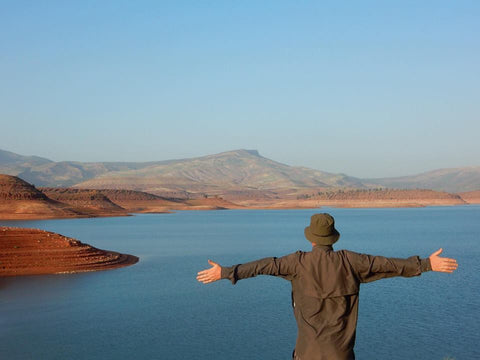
pixel 228 171
pixel 237 174
pixel 13 164
pixel 450 180
pixel 45 172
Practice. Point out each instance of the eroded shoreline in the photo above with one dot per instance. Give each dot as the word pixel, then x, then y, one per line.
pixel 25 251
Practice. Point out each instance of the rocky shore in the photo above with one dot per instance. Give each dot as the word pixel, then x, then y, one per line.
pixel 34 252
pixel 20 200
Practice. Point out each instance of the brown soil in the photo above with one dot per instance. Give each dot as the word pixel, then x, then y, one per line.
pixel 211 203
pixel 110 201
pixel 20 200
pixel 141 202
pixel 130 195
pixel 471 197
pixel 360 199
pixel 136 201
pixel 379 194
pixel 33 252
pixel 14 188
pixel 32 209
pixel 89 201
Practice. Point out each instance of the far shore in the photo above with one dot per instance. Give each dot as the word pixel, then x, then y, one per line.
pixel 20 200
pixel 284 205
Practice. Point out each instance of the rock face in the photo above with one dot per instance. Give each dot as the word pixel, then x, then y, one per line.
pixel 20 200
pixel 142 202
pixel 86 200
pixel 34 252
pixel 384 194
pixel 471 197
pixel 111 202
pixel 14 188
pixel 359 199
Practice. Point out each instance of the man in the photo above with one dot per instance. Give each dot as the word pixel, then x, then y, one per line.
pixel 325 287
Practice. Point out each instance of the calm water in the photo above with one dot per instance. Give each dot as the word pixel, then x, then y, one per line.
pixel 157 310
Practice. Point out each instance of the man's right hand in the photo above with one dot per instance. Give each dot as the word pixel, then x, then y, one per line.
pixel 210 275
pixel 442 264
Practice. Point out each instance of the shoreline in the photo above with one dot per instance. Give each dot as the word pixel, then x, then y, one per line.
pixel 20 200
pixel 26 251
pixel 260 206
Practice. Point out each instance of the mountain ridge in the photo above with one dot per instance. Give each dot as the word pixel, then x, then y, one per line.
pixel 460 179
pixel 231 171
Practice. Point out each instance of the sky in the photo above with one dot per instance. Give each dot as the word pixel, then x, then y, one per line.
pixel 366 88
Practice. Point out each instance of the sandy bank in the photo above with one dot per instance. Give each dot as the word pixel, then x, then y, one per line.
pixel 34 252
pixel 313 204
pixel 471 197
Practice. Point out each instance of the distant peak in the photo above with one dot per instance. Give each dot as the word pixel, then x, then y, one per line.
pixel 240 152
pixel 245 151
pixel 253 152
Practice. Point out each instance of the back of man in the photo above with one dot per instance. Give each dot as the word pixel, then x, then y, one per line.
pixel 325 305
pixel 325 288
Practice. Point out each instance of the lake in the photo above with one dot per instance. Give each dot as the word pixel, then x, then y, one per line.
pixel 157 310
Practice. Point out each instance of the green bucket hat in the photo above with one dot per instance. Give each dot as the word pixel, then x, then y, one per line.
pixel 322 230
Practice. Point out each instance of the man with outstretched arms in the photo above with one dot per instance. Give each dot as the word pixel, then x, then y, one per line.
pixel 325 286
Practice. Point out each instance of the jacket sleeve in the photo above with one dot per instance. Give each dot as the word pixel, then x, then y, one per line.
pixel 284 267
pixel 369 268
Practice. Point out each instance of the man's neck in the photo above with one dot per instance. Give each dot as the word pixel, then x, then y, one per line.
pixel 321 247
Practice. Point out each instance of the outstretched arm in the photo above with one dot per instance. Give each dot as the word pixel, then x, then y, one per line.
pixel 370 268
pixel 284 266
pixel 442 264
pixel 210 275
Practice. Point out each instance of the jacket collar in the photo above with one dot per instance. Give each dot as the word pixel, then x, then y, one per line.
pixel 323 247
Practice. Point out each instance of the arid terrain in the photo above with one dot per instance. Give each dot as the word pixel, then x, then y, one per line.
pixel 87 201
pixel 21 200
pixel 471 197
pixel 362 198
pixel 33 252
pixel 229 180
pixel 236 171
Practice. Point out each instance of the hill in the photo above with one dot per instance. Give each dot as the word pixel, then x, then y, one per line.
pixel 217 174
pixel 471 197
pixel 45 172
pixel 31 252
pixel 112 202
pixel 15 163
pixel 107 202
pixel 237 174
pixel 360 198
pixel 88 201
pixel 20 200
pixel 451 180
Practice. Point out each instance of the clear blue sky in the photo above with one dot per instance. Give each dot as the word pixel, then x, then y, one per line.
pixel 367 88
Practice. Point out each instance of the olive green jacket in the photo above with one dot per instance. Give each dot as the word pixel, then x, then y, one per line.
pixel 325 287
